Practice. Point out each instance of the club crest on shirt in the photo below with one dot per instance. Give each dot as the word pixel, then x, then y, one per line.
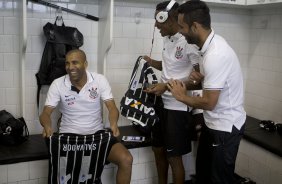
pixel 93 93
pixel 178 53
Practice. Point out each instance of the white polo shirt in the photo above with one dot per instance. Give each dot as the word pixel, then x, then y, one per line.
pixel 81 112
pixel 179 57
pixel 222 71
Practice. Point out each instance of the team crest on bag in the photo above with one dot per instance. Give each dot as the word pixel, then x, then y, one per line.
pixel 178 53
pixel 93 93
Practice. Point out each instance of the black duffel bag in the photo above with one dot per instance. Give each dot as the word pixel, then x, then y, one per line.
pixel 12 131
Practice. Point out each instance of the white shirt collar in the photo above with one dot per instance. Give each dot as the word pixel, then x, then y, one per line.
pixel 207 43
pixel 174 37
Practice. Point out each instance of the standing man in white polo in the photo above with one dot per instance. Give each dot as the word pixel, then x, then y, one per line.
pixel 171 136
pixel 222 100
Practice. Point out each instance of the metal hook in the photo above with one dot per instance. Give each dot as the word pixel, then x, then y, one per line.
pixel 59 10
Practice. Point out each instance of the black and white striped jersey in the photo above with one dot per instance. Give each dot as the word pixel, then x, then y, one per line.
pixel 137 105
pixel 78 158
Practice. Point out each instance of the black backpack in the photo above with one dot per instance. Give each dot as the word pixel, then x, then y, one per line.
pixel 60 40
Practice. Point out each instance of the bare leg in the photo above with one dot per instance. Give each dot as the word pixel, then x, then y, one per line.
pixel 178 171
pixel 120 156
pixel 161 163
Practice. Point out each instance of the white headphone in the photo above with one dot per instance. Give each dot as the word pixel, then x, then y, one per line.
pixel 162 16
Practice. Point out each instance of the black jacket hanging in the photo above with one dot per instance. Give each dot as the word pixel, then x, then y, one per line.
pixel 136 105
pixel 60 40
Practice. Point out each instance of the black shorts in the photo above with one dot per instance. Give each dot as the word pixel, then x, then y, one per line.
pixel 79 158
pixel 173 132
pixel 216 155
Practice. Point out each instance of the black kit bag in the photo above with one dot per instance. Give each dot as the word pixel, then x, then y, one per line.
pixel 60 40
pixel 12 131
pixel 136 105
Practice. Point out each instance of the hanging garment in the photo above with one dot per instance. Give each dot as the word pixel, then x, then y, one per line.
pixel 137 105
pixel 60 40
pixel 78 158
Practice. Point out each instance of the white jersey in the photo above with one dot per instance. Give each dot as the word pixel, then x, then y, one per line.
pixel 222 71
pixel 81 112
pixel 179 57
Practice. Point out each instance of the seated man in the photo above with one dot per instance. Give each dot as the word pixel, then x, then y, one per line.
pixel 79 94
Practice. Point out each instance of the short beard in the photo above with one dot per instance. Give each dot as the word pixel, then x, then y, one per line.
pixel 192 40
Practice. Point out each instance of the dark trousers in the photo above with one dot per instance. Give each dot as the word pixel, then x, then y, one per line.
pixel 216 156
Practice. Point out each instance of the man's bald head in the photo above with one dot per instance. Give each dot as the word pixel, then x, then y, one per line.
pixel 78 52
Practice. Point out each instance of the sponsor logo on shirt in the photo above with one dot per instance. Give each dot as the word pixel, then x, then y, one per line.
pixel 93 93
pixel 138 105
pixel 69 99
pixel 178 53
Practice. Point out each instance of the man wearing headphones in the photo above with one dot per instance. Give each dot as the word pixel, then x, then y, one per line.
pixel 171 136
